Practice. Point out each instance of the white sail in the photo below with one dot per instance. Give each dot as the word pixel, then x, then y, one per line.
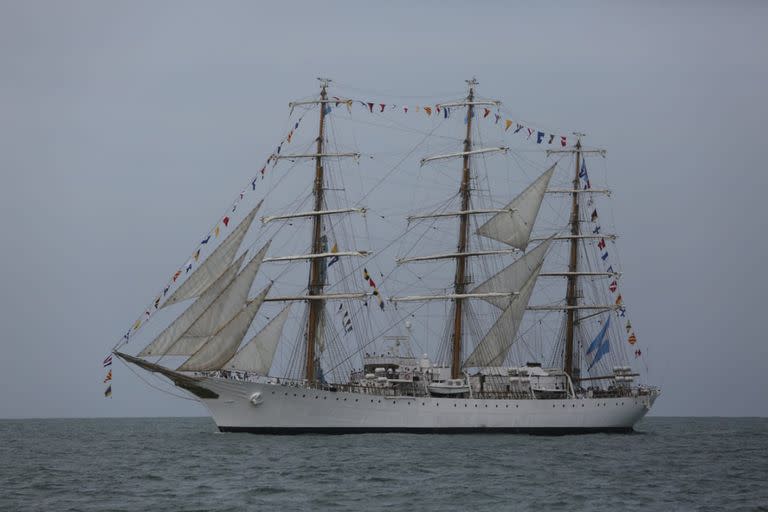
pixel 513 277
pixel 221 311
pixel 514 227
pixel 258 353
pixel 493 348
pixel 215 265
pixel 173 332
pixel 219 348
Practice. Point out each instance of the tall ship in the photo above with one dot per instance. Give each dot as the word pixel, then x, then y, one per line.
pixel 403 268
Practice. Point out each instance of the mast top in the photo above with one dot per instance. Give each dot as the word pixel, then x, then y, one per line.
pixel 471 83
pixel 324 82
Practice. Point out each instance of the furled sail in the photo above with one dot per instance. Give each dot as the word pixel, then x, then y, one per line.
pixel 222 310
pixel 219 348
pixel 215 265
pixel 514 277
pixel 493 348
pixel 173 332
pixel 514 227
pixel 258 353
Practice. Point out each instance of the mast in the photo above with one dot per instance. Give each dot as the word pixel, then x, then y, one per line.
pixel 571 291
pixel 461 259
pixel 315 273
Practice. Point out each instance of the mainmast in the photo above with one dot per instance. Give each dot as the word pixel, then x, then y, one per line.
pixel 572 290
pixel 316 276
pixel 461 259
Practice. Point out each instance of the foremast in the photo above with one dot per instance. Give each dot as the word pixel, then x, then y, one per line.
pixel 461 258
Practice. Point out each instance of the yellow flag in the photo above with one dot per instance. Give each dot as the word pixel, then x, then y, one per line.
pixel 137 324
pixel 197 255
pixel 216 231
pixel 428 110
pixel 507 124
pixel 335 248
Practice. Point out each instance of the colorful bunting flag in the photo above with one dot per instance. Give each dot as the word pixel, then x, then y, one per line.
pixel 108 377
pixel 604 256
pixel 486 112
pixel 507 124
pixel 428 110
pixel 601 244
pixel 594 215
pixel 108 361
pixel 108 392
pixel 539 137
pixel 613 286
pixel 333 259
pixel 632 339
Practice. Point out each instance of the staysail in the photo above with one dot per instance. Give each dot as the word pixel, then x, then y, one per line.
pixel 493 348
pixel 258 353
pixel 514 227
pixel 215 265
pixel 221 310
pixel 160 345
pixel 513 277
pixel 219 348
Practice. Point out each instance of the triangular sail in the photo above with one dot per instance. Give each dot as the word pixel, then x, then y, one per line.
pixel 221 311
pixel 514 227
pixel 215 265
pixel 513 277
pixel 219 348
pixel 258 353
pixel 493 348
pixel 173 332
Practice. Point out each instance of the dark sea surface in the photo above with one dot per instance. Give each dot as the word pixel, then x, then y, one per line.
pixel 174 464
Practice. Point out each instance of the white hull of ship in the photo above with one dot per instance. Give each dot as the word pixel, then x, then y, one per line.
pixel 280 409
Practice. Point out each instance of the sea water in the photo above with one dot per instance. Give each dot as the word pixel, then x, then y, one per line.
pixel 183 464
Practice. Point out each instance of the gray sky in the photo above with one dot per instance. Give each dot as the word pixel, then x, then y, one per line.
pixel 127 127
